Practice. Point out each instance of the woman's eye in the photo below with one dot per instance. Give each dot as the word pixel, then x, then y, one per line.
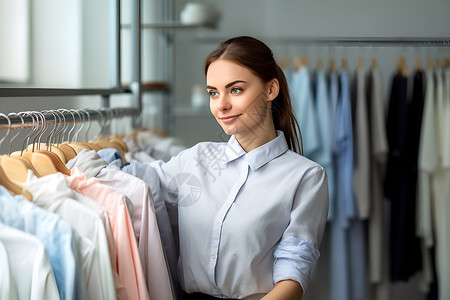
pixel 236 90
pixel 212 93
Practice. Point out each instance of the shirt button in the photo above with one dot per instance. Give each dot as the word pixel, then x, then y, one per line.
pixel 217 223
pixel 213 256
pixel 216 290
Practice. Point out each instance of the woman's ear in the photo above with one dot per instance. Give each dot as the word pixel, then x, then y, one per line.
pixel 273 88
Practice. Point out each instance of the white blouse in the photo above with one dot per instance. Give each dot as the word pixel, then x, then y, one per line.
pixel 246 220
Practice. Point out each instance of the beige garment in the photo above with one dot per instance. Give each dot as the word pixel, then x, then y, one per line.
pixel 441 191
pixel 427 164
pixel 377 244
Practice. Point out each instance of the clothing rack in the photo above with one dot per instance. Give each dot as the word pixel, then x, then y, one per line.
pixel 62 116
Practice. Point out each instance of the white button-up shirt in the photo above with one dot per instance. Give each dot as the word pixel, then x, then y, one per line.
pixel 246 220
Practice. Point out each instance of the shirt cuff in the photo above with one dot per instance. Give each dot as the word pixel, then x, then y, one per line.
pixel 295 259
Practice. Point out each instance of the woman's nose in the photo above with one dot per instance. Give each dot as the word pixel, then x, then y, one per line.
pixel 224 103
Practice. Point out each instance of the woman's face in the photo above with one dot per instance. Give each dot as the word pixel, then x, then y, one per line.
pixel 239 100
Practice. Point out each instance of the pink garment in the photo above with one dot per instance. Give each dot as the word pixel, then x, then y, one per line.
pixel 121 293
pixel 128 261
pixel 146 228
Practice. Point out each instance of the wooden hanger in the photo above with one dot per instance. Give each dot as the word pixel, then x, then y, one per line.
pixel 344 64
pixel 14 188
pixel 447 63
pixel 402 67
pixel 429 64
pixel 438 63
pixel 17 167
pixel 53 149
pixel 373 63
pixel 319 64
pixel 44 161
pixel 332 66
pixel 109 143
pixel 69 152
pixel 418 64
pixel 285 63
pixel 360 63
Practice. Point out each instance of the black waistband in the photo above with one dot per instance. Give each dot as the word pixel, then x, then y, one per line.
pixel 200 296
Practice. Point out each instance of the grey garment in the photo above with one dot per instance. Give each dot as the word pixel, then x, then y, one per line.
pixel 167 225
pixel 90 163
pixel 361 150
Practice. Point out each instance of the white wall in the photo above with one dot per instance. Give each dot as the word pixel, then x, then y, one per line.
pixel 269 20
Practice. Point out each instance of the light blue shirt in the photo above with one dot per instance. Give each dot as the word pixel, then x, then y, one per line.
pixel 59 239
pixel 323 155
pixel 246 220
pixel 347 259
pixel 303 106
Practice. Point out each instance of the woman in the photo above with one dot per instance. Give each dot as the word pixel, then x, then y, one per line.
pixel 251 211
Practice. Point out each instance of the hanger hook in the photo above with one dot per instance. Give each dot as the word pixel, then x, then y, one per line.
pixel 44 128
pixel 101 121
pixel 83 114
pixel 36 129
pixel 21 129
pixel 54 130
pixel 73 127
pixel 81 125
pixel 62 111
pixel 9 127
pixel 27 138
pixel 62 125
pixel 88 123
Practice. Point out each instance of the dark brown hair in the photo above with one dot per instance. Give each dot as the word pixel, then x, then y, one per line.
pixel 258 58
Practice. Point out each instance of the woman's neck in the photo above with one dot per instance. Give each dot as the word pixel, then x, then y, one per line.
pixel 252 140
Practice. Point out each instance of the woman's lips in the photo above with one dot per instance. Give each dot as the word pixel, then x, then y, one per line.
pixel 229 119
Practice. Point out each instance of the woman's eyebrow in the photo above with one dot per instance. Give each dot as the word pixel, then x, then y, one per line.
pixel 228 85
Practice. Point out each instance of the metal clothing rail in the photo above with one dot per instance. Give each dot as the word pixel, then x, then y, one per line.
pixel 62 116
pixel 350 41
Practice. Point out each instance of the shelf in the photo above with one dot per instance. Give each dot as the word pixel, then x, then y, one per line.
pixel 170 25
pixel 192 112
pixel 156 86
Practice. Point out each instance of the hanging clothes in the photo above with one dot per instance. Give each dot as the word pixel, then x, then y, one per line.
pixel 167 226
pixel 62 243
pixel 347 237
pixel 144 219
pixel 397 185
pixel 129 265
pixel 302 104
pixel 376 234
pixel 435 178
pixel 361 161
pixel 52 193
pixel 323 154
pixel 26 271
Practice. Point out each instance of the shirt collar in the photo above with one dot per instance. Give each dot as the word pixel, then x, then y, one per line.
pixel 257 157
pixel 47 188
pixel 88 162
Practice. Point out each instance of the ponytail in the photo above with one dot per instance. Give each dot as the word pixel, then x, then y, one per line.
pixel 283 115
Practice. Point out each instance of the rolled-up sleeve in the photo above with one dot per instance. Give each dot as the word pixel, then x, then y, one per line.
pixel 298 251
